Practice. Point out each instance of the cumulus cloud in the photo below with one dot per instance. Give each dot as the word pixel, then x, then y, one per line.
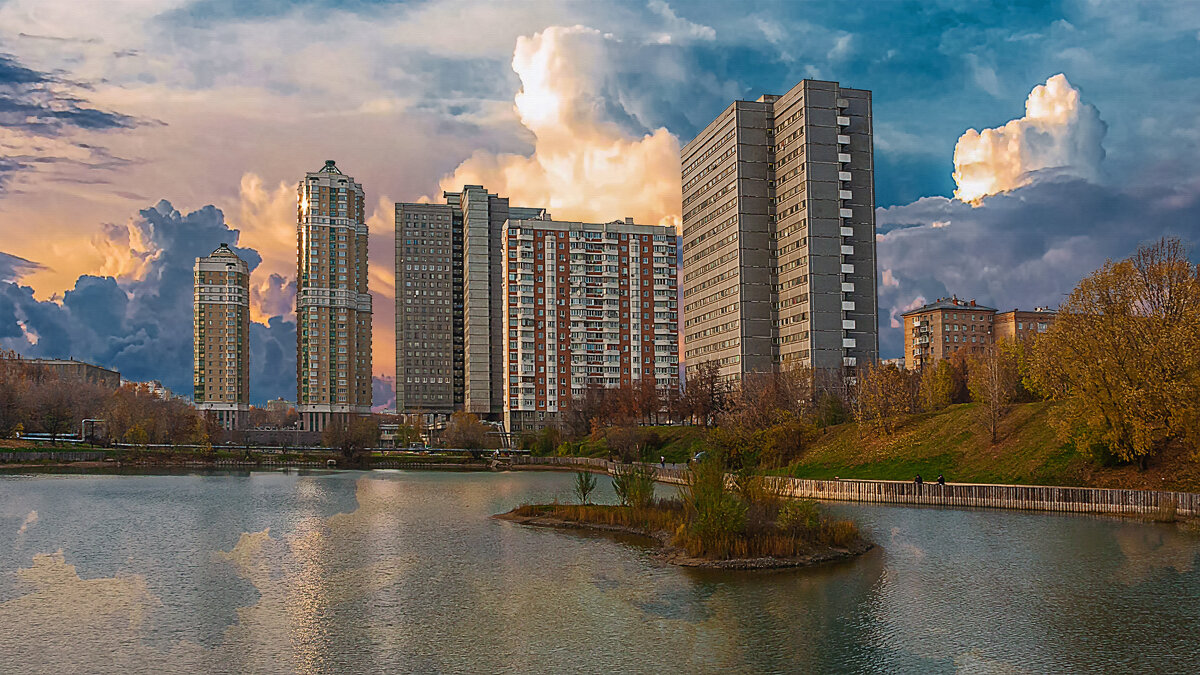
pixel 1058 132
pixel 1030 219
pixel 587 162
pixel 1025 248
pixel 138 317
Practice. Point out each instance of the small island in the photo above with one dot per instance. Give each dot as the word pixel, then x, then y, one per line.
pixel 710 525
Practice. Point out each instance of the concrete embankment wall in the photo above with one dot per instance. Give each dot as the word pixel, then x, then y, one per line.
pixel 1027 497
pixel 69 456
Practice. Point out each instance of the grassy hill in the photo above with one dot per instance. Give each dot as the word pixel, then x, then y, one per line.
pixel 954 443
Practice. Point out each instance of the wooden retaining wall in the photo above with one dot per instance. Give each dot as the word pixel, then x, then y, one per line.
pixel 1026 497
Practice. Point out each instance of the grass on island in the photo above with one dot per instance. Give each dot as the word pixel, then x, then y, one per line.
pixel 711 522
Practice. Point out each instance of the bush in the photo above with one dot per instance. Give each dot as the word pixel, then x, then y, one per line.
pixel 798 516
pixel 634 484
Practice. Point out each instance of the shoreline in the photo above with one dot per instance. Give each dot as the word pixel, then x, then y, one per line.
pixel 674 555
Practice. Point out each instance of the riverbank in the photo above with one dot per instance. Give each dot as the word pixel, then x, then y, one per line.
pixel 1156 505
pixel 659 527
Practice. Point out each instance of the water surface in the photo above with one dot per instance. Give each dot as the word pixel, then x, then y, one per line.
pixel 405 572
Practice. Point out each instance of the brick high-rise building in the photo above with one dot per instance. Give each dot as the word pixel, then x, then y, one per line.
pixel 779 234
pixel 221 336
pixel 333 305
pixel 586 305
pixel 449 309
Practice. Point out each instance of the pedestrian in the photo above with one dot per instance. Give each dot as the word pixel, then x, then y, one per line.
pixel 941 480
pixel 662 459
pixel 918 480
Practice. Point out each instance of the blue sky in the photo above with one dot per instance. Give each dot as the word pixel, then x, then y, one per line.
pixel 108 108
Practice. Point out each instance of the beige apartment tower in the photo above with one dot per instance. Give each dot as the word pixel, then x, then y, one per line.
pixel 778 240
pixel 333 305
pixel 221 337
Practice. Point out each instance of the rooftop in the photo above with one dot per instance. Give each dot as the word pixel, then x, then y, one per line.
pixel 952 302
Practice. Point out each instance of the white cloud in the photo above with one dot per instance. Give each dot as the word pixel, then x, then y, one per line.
pixel 1058 132
pixel 585 165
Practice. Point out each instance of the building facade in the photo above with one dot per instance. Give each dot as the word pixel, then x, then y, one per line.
pixel 333 305
pixel 68 370
pixel 449 309
pixel 1022 325
pixel 586 305
pixel 945 327
pixel 778 253
pixel 221 337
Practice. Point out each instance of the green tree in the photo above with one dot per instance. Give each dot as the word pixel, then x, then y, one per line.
pixel 937 386
pixel 585 483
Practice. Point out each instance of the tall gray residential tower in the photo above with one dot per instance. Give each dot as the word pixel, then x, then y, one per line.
pixel 450 304
pixel 779 234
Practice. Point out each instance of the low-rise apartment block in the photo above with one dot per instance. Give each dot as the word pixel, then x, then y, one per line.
pixel 942 328
pixel 586 305
pixel 1021 325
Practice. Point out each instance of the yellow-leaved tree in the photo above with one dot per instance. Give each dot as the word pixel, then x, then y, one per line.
pixel 1123 356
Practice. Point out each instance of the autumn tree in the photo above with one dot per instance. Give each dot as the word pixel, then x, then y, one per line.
pixel 351 436
pixel 1123 356
pixel 705 394
pixel 936 388
pixel 464 430
pixel 884 398
pixel 994 383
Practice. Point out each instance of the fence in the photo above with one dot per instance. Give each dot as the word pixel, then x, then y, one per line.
pixel 1027 497
pixel 70 456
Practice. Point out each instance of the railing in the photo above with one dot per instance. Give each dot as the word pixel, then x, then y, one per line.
pixel 969 495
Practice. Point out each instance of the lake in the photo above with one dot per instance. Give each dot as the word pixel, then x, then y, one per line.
pixel 405 572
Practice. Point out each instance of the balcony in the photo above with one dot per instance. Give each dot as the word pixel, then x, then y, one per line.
pixel 847 268
pixel 847 286
pixel 843 175
pixel 845 213
pixel 843 140
pixel 843 121
pixel 845 194
pixel 848 342
pixel 847 231
pixel 847 250
pixel 843 157
pixel 847 305
pixel 847 324
pixel 849 361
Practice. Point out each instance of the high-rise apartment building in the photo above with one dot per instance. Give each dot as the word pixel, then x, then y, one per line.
pixel 221 336
pixel 449 308
pixel 586 305
pixel 333 305
pixel 779 234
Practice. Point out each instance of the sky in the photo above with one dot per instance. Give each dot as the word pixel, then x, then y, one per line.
pixel 1018 145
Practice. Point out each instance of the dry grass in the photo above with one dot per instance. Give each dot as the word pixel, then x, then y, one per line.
pixel 762 535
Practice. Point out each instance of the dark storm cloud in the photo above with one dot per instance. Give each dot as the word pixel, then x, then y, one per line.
pixel 143 327
pixel 13 267
pixel 1021 249
pixel 39 103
